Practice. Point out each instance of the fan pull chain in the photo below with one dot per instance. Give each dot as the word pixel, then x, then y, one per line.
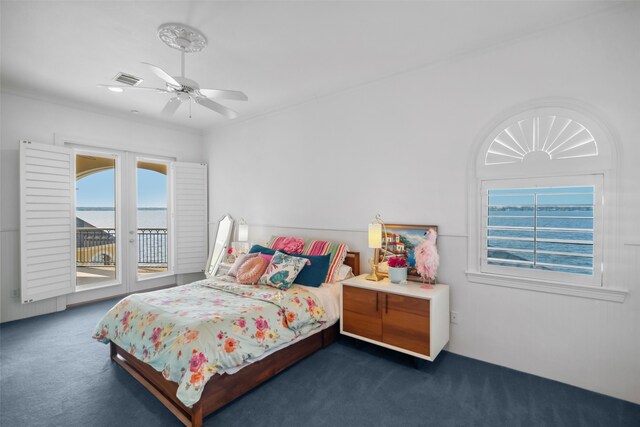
pixel 190 107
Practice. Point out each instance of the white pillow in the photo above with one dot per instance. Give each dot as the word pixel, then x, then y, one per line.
pixel 342 273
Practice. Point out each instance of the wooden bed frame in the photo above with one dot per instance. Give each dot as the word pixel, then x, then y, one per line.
pixel 223 388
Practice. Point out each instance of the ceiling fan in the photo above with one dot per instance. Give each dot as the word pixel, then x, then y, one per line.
pixel 186 40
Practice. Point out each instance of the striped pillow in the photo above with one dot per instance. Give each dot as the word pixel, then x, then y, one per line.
pixel 338 252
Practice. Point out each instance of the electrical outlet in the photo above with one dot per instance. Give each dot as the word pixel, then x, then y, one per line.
pixel 454 317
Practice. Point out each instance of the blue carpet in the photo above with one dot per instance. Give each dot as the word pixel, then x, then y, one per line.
pixel 53 374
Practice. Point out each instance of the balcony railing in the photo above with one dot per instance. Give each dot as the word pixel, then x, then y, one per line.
pixel 97 246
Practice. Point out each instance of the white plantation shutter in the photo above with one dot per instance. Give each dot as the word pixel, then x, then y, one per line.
pixel 47 221
pixel 190 217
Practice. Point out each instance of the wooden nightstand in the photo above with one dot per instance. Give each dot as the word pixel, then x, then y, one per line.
pixel 406 317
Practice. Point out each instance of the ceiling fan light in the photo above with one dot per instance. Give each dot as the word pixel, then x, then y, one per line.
pixel 115 89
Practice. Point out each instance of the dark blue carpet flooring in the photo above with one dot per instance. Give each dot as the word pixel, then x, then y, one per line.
pixel 54 374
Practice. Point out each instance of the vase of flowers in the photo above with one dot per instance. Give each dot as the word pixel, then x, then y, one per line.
pixel 397 269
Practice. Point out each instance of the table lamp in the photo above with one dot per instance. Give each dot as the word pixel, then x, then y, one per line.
pixel 375 242
pixel 243 231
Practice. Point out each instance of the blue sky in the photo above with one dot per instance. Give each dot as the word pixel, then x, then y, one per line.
pixel 97 190
pixel 546 196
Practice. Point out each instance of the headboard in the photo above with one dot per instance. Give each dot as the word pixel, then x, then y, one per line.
pixel 353 260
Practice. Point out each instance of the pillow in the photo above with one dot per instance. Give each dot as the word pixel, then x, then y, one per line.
pixel 265 256
pixel 242 258
pixel 343 272
pixel 315 272
pixel 252 270
pixel 290 245
pixel 261 250
pixel 282 271
pixel 338 252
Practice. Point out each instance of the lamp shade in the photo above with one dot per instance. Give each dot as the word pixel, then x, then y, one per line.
pixel 375 235
pixel 243 232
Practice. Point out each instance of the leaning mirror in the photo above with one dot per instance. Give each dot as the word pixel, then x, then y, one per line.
pixel 220 243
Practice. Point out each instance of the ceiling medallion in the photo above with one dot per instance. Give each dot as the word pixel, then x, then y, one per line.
pixel 182 37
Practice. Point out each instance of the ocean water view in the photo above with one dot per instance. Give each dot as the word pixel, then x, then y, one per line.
pixel 542 228
pixel 104 217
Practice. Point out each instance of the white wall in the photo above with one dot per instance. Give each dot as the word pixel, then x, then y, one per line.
pixel 400 147
pixel 36 120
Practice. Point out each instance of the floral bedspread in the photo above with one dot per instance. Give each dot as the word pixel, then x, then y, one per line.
pixel 190 332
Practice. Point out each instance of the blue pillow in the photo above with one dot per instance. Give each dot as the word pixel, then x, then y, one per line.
pixel 262 250
pixel 316 273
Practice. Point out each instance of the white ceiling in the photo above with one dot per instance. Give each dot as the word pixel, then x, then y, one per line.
pixel 278 53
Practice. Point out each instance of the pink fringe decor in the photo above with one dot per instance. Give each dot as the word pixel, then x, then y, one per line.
pixel 427 258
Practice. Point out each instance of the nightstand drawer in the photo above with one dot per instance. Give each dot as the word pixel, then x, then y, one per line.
pixel 406 304
pixel 361 301
pixel 406 330
pixel 361 312
pixel 363 325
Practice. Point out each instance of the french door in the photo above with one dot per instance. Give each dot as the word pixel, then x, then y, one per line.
pixel 100 219
pixel 122 220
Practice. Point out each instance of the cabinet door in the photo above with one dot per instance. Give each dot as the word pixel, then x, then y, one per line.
pixel 361 310
pixel 406 322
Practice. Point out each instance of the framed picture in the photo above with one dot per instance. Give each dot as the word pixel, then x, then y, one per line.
pixel 401 241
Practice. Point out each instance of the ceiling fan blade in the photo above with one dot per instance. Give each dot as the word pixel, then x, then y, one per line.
pixel 224 94
pixel 134 87
pixel 221 109
pixel 171 106
pixel 163 75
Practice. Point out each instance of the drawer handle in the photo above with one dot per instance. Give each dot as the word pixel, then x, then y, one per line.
pixel 386 303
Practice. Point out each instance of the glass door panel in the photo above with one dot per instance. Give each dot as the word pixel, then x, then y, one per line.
pixel 96 213
pixel 152 218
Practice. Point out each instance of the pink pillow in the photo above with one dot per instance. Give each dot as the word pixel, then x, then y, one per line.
pixel 242 258
pixel 291 245
pixel 265 256
pixel 250 271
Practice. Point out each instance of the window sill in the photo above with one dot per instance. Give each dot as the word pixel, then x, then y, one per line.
pixel 582 291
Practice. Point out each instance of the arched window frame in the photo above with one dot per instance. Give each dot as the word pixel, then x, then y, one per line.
pixel 538 171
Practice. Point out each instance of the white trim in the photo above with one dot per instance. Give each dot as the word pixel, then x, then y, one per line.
pixel 112 145
pixel 98 285
pixel 348 230
pixel 550 287
pixel 118 158
pixel 160 160
pixel 154 276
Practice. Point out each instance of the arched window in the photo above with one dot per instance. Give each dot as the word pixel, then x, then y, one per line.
pixel 553 137
pixel 542 200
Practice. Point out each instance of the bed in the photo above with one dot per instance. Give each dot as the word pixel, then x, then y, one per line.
pixel 229 383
